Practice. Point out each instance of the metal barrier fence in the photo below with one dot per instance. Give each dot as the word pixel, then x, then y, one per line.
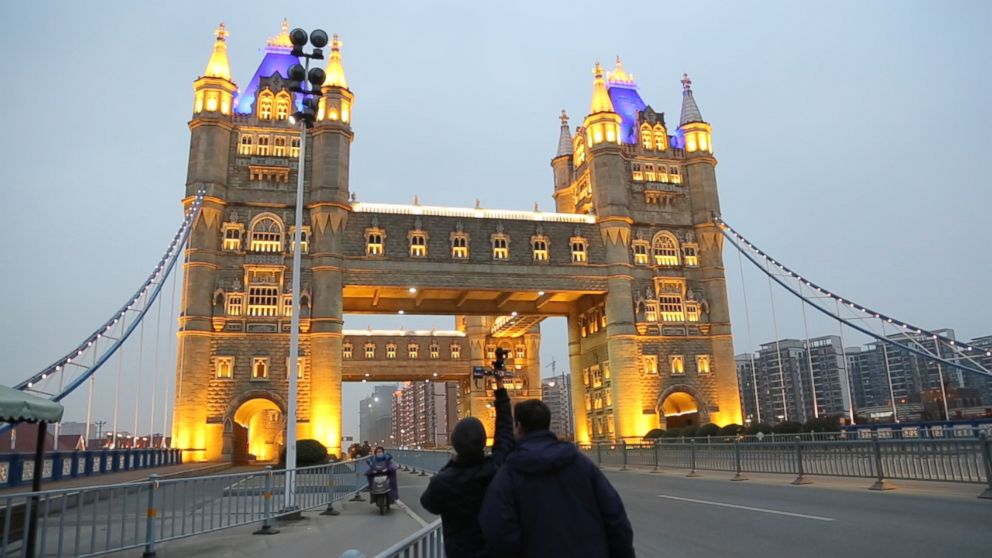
pixel 18 468
pixel 949 460
pixel 94 520
pixel 428 542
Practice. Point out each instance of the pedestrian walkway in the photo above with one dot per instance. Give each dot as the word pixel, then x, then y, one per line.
pixel 359 526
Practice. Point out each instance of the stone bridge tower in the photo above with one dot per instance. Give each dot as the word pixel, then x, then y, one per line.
pixel 656 349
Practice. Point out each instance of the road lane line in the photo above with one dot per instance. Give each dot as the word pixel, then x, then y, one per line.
pixel 749 508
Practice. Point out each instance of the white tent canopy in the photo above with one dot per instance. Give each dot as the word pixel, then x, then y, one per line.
pixel 17 406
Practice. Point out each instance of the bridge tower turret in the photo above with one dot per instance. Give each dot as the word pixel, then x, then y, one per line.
pixel 329 209
pixel 563 166
pixel 210 142
pixel 700 170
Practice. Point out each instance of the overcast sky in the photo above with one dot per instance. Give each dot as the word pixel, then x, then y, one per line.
pixel 850 136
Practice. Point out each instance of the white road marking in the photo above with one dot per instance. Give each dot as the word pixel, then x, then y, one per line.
pixel 413 515
pixel 749 508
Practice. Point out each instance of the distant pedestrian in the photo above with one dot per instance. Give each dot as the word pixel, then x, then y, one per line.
pixel 550 500
pixel 456 491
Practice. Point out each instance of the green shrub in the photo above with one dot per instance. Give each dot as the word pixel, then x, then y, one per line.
pixel 308 452
pixel 690 431
pixel 672 433
pixel 758 427
pixel 731 430
pixel 654 434
pixel 788 427
pixel 708 429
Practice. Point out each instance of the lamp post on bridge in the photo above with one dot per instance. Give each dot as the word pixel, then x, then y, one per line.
pixel 300 76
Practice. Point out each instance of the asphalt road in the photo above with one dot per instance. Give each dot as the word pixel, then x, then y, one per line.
pixel 712 517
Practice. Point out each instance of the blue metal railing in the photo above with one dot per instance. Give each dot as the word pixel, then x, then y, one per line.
pixel 18 468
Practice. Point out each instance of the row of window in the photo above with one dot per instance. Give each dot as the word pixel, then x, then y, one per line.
pixel 260 368
pixel 412 351
pixel 598 400
pixel 601 426
pixel 263 301
pixel 597 375
pixel 273 106
pixel 265 145
pixel 654 138
pixel 375 238
pixel 649 172
pixel 676 364
pixel 664 251
pixel 264 235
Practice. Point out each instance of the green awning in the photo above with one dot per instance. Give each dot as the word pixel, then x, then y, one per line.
pixel 17 406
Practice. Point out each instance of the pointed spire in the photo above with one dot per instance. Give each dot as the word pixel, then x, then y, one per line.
pixel 619 76
pixel 219 66
pixel 690 112
pixel 280 42
pixel 600 97
pixel 335 70
pixel 565 139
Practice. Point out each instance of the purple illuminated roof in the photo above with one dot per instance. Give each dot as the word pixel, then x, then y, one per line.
pixel 273 62
pixel 627 103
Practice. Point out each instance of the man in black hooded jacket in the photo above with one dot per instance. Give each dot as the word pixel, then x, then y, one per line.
pixel 550 500
pixel 456 491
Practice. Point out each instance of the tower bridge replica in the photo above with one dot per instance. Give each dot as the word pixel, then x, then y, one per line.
pixel 632 257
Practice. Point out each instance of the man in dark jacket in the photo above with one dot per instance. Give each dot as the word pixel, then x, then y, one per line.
pixel 456 492
pixel 549 499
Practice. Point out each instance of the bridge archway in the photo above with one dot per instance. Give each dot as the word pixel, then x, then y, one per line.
pixel 681 405
pixel 254 427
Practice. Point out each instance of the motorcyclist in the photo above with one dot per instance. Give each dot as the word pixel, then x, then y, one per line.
pixel 380 462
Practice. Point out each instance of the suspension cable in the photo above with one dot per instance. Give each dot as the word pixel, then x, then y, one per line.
pixel 809 357
pixel 778 348
pixel 853 326
pixel 747 322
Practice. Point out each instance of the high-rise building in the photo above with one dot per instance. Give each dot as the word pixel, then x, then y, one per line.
pixel 786 378
pixel 424 413
pixel 557 393
pixel 375 414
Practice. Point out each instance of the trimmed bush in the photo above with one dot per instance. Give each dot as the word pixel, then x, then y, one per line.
pixel 756 427
pixel 731 430
pixel 708 429
pixel 308 452
pixel 788 427
pixel 690 431
pixel 654 434
pixel 672 433
pixel 822 424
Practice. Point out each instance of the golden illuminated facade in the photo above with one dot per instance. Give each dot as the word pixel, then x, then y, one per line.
pixel 631 258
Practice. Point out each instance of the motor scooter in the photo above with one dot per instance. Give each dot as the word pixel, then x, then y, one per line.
pixel 380 490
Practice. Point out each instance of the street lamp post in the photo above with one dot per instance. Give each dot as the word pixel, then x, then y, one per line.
pixel 299 76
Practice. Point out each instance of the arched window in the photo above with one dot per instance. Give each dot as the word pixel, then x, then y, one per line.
pixel 413 351
pixel 282 106
pixel 459 246
pixel 260 368
pixel 660 138
pixel 347 350
pixel 646 137
pixel 266 235
pixel 391 350
pixel 370 350
pixel 666 250
pixel 265 106
pixel 246 143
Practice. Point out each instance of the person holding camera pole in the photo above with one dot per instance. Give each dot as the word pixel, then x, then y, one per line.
pixel 549 499
pixel 456 491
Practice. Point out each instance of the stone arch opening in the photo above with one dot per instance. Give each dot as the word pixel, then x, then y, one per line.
pixel 680 406
pixel 257 427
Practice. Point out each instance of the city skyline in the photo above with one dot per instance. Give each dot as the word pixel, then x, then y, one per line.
pixel 869 257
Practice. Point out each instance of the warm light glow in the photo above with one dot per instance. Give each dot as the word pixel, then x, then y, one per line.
pixel 399 209
pixel 600 96
pixel 335 70
pixel 219 66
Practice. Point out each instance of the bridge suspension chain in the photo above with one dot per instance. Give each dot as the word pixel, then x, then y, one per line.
pixel 960 352
pixel 129 316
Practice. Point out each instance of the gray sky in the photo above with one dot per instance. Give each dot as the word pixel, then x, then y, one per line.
pixel 849 137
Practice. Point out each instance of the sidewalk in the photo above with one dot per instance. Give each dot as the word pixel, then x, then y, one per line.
pixel 359 526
